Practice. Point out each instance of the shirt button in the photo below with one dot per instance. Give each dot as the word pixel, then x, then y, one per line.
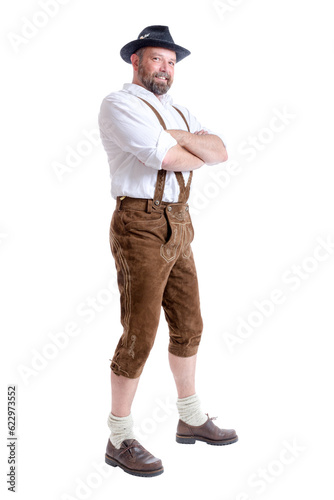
pixel 169 209
pixel 157 202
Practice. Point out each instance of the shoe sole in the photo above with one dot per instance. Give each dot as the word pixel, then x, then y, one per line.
pixel 192 440
pixel 133 472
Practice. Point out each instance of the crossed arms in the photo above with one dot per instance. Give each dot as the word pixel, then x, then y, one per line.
pixel 193 150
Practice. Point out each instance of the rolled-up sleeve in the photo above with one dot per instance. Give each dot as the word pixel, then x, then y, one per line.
pixel 129 129
pixel 165 143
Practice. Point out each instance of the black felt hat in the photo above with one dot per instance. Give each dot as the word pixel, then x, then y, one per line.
pixel 154 36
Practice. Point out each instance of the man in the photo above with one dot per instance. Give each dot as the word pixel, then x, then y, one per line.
pixel 152 149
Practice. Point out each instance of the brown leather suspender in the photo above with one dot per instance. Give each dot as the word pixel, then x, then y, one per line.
pixel 161 178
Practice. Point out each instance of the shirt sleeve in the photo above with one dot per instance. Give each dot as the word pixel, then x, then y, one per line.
pixel 195 125
pixel 134 131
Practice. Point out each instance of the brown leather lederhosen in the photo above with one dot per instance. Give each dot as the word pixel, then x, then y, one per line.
pixel 150 241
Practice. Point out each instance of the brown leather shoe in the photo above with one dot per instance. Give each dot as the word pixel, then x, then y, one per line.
pixel 133 459
pixel 208 432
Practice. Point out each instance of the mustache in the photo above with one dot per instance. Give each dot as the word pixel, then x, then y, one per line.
pixel 162 74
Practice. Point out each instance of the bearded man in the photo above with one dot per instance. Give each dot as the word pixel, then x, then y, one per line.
pixel 153 147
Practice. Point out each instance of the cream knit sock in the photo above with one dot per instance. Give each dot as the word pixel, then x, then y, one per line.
pixel 121 428
pixel 190 410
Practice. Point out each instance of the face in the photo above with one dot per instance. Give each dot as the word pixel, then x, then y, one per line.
pixel 156 69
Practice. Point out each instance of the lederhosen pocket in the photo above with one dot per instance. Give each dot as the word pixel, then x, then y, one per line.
pixel 181 232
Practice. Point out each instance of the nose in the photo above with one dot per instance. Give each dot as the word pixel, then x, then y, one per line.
pixel 164 66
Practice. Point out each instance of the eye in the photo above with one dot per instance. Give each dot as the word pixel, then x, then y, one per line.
pixel 171 63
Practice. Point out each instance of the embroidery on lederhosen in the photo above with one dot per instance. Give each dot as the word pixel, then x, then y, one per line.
pixel 124 268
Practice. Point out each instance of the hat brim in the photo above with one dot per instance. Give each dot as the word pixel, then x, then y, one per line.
pixel 131 47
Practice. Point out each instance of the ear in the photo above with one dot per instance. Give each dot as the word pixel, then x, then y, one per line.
pixel 134 61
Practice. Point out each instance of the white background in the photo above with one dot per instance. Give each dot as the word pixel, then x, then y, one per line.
pixel 250 59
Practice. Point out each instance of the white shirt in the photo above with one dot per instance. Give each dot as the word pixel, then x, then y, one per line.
pixel 136 143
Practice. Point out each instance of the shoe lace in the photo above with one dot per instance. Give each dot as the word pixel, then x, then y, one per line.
pixel 128 448
pixel 211 418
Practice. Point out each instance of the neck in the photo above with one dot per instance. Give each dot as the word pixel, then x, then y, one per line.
pixel 136 81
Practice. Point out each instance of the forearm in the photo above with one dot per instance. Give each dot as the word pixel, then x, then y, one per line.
pixel 178 159
pixel 208 147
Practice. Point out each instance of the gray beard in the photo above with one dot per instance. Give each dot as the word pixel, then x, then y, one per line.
pixel 150 84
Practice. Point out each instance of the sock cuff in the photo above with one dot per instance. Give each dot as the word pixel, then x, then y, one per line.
pixel 121 428
pixel 190 410
pixel 119 420
pixel 188 400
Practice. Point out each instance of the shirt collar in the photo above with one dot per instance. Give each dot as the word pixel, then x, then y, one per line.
pixel 139 91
